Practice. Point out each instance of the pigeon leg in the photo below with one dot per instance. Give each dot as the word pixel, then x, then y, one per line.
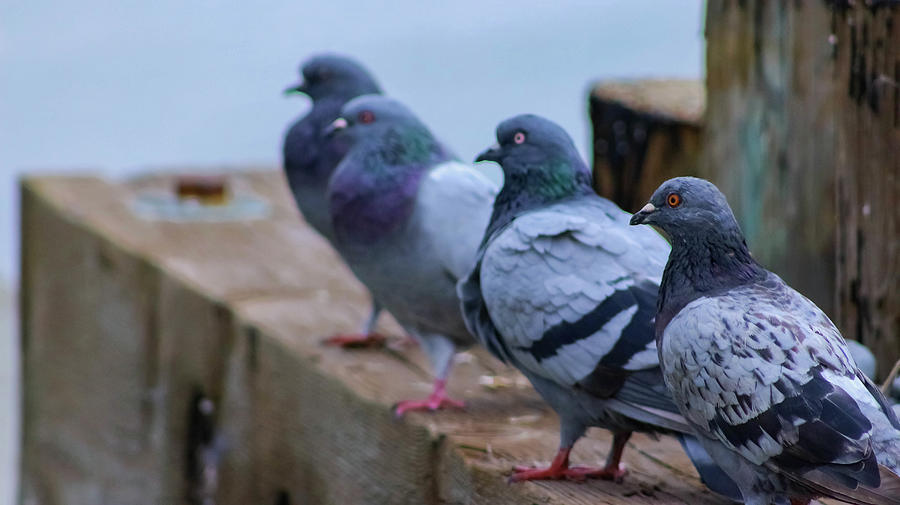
pixel 366 338
pixel 614 470
pixel 438 399
pixel 560 469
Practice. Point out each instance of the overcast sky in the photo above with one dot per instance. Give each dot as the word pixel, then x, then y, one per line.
pixel 120 86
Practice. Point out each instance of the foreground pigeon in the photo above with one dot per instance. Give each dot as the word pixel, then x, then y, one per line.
pixel 761 373
pixel 310 158
pixel 566 292
pixel 408 219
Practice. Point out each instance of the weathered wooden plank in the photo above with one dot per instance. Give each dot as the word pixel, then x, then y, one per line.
pixel 867 173
pixel 802 136
pixel 644 132
pixel 126 321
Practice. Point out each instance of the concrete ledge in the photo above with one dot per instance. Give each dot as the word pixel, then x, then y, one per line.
pixel 180 362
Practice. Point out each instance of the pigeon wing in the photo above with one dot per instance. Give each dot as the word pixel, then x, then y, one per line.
pixel 765 372
pixel 454 205
pixel 566 299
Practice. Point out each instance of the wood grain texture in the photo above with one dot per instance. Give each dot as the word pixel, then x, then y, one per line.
pixel 803 137
pixel 644 132
pixel 127 321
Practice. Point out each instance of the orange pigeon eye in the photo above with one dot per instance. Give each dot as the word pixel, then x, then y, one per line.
pixel 674 200
pixel 366 117
pixel 519 137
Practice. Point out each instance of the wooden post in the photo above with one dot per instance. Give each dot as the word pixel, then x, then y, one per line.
pixel 644 132
pixel 803 136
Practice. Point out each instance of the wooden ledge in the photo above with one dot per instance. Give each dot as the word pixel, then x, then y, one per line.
pixel 165 361
pixel 677 100
pixel 644 132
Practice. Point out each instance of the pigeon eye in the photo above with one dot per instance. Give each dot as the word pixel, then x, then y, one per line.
pixel 366 117
pixel 519 137
pixel 674 200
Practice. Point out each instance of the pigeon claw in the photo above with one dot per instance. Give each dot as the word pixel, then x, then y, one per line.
pixel 356 340
pixel 430 404
pixel 575 473
pixel 615 473
pixel 560 469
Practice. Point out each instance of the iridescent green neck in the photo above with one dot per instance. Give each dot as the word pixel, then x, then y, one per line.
pixel 532 187
pixel 411 146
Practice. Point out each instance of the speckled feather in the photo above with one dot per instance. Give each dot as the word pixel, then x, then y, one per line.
pixel 761 373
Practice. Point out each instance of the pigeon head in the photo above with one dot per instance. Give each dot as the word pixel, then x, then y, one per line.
pixel 330 75
pixel 529 142
pixel 688 206
pixel 379 123
pixel 537 156
pixel 709 252
pixel 540 167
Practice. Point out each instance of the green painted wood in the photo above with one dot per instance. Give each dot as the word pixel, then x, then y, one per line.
pixel 802 136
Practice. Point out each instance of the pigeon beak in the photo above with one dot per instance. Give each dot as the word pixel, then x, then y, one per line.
pixel 642 216
pixel 338 125
pixel 491 154
pixel 297 89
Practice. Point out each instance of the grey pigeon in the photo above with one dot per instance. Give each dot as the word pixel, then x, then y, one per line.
pixel 759 371
pixel 565 291
pixel 863 357
pixel 310 158
pixel 408 218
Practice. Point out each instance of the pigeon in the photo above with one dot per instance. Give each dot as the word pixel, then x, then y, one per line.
pixel 565 291
pixel 863 357
pixel 408 218
pixel 763 376
pixel 309 158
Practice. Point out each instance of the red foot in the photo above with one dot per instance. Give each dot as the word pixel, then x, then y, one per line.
pixel 560 469
pixel 438 399
pixel 356 340
pixel 576 473
pixel 408 342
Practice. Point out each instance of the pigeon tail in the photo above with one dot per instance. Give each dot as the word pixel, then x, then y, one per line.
pixel 710 473
pixel 887 492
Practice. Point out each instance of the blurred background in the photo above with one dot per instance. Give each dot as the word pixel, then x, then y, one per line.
pixel 119 88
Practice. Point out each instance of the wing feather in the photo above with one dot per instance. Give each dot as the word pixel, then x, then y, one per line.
pixel 765 372
pixel 559 292
pixel 456 197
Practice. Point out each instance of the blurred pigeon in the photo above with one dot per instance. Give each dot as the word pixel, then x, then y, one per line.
pixel 408 218
pixel 863 358
pixel 310 158
pixel 759 371
pixel 566 292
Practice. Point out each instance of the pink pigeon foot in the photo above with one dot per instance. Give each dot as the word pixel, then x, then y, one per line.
pixel 356 340
pixel 559 468
pixel 437 400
